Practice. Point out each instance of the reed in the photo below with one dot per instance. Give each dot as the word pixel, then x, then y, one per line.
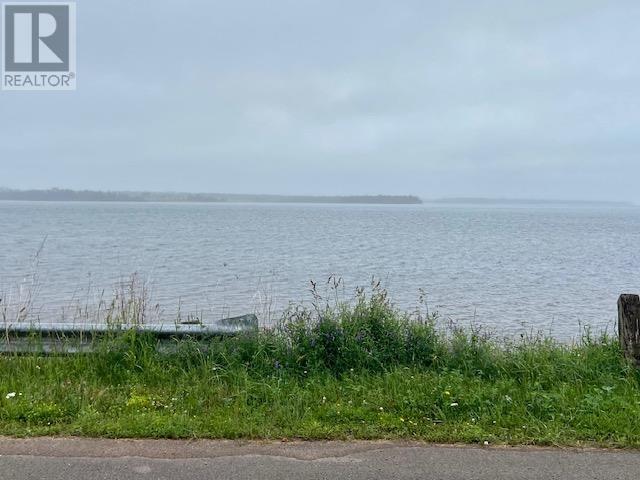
pixel 361 369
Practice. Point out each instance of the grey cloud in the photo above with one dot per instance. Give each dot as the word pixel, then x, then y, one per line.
pixel 495 98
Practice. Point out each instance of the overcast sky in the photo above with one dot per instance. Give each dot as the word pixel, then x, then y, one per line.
pixel 435 98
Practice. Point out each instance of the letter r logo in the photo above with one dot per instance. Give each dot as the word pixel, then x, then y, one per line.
pixel 36 37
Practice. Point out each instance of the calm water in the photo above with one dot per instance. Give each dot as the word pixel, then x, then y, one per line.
pixel 508 268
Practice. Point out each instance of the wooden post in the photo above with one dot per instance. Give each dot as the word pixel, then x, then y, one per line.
pixel 629 326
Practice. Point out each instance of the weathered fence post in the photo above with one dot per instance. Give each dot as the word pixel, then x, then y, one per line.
pixel 629 326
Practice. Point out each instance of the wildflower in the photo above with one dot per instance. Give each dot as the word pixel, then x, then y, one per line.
pixel 324 399
pixel 486 443
pixel 381 409
pixel 454 404
pixel 10 395
pixel 402 419
pixel 447 392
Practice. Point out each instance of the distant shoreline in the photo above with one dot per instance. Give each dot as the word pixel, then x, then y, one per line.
pixel 524 201
pixel 66 195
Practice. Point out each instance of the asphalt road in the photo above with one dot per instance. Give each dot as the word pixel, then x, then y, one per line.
pixel 86 459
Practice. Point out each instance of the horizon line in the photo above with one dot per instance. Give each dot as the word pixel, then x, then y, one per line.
pixel 315 196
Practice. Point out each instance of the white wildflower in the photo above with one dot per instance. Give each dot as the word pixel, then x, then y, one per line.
pixel 10 395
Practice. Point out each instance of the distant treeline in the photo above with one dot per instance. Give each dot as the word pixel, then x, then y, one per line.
pixel 64 195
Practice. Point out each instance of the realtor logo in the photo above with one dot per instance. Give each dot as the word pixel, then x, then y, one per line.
pixel 39 51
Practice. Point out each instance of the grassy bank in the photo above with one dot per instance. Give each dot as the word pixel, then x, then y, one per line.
pixel 365 371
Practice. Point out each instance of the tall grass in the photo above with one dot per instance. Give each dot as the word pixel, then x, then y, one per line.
pixel 332 370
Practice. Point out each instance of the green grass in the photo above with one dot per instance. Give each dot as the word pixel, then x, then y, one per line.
pixel 366 371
